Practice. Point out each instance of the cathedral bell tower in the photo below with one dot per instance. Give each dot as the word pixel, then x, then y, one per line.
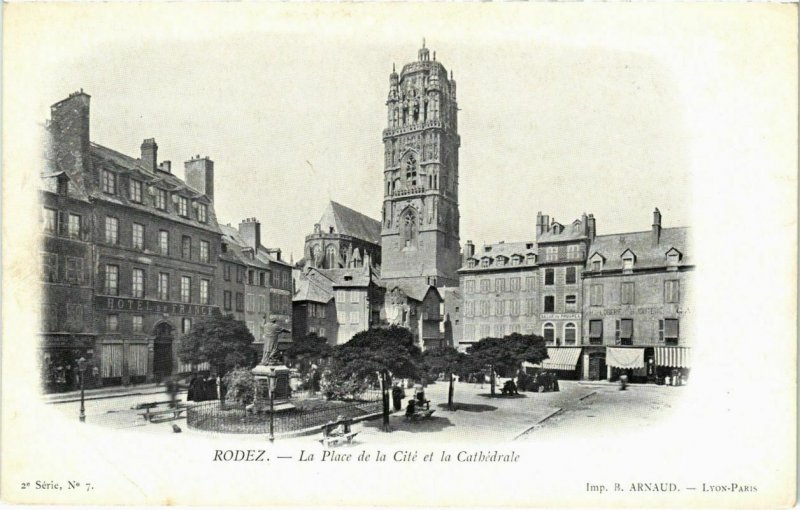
pixel 420 226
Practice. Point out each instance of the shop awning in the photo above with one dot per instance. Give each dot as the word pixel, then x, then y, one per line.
pixel 562 358
pixel 622 357
pixel 674 357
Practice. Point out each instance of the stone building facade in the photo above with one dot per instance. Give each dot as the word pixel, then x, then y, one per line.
pixel 280 273
pixel 155 243
pixel 562 255
pixel 254 301
pixel 499 291
pixel 637 316
pixel 420 223
pixel 68 327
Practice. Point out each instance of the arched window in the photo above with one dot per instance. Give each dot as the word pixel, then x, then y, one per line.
pixel 569 333
pixel 330 257
pixel 411 171
pixel 409 229
pixel 549 333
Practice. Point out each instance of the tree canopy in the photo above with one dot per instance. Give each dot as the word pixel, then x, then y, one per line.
pixel 222 341
pixel 507 353
pixel 354 365
pixel 443 360
pixel 306 351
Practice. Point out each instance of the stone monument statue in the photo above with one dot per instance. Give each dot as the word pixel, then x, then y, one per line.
pixel 272 377
pixel 269 334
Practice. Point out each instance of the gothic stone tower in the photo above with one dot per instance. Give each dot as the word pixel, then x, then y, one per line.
pixel 419 234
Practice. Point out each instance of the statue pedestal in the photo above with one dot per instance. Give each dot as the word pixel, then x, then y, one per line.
pixel 280 375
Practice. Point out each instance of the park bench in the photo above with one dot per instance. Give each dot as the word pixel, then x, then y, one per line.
pixel 338 432
pixel 156 416
pixel 419 414
pixel 150 405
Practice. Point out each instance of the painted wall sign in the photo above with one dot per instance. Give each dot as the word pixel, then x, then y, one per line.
pixel 117 304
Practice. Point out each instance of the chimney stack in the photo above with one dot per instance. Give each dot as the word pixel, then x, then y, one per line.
pixel 250 230
pixel 591 227
pixel 200 175
pixel 149 154
pixel 469 251
pixel 69 127
pixel 166 166
pixel 656 235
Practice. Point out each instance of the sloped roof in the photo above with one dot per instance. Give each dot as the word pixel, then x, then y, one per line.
pixel 104 157
pixel 237 246
pixel 504 249
pixel 350 277
pixel 311 291
pixel 350 222
pixel 640 243
pixel 572 232
pixel 415 290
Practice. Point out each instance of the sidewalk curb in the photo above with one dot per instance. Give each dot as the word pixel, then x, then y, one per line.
pixel 554 413
pixel 103 397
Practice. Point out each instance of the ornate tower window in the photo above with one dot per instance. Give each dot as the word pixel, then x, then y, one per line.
pixel 330 257
pixel 411 171
pixel 409 229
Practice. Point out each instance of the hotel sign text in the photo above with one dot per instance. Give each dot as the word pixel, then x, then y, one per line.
pixel 115 304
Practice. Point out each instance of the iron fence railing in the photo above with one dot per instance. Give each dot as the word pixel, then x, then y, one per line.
pixel 216 416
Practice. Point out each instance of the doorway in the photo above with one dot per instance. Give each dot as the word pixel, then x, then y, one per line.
pixel 162 352
pixel 597 366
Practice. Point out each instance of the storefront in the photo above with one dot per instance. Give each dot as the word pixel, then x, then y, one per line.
pixel 648 364
pixel 58 361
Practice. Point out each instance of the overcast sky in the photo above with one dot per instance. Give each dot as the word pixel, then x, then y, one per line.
pixel 558 113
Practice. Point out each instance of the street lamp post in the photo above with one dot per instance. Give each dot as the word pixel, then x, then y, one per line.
pixel 272 406
pixel 82 370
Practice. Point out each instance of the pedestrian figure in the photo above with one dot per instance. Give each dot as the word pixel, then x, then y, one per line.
pixel 623 382
pixel 193 389
pixel 96 376
pixel 397 396
pixel 411 408
pixel 172 392
pixel 555 382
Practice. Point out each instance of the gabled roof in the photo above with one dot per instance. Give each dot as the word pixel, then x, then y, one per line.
pixel 612 246
pixel 350 222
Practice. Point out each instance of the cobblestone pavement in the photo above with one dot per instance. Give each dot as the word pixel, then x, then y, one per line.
pixel 576 409
pixel 608 410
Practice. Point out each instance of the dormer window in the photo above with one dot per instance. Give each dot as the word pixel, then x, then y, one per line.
pixel 673 259
pixel 485 262
pixel 109 182
pixel 471 263
pixel 202 213
pixel 628 259
pixel 531 258
pixel 136 191
pixel 501 261
pixel 183 206
pixel 596 262
pixel 161 199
